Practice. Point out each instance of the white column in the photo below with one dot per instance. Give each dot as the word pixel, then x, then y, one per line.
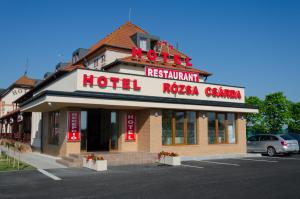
pixel 36 129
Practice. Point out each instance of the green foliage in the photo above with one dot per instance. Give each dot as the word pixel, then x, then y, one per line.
pixel 274 113
pixel 255 121
pixel 294 123
pixel 277 111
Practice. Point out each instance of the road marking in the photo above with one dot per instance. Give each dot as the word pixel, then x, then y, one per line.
pixel 50 175
pixel 282 158
pixel 255 160
pixel 186 165
pixel 220 163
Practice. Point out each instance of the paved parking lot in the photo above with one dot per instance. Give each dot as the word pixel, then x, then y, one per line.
pixel 262 177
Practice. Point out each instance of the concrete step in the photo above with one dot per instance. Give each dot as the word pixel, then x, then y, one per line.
pixel 69 164
pixel 70 159
pixel 115 158
pixel 75 155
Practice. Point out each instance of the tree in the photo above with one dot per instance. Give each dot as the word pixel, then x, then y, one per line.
pixel 276 112
pixel 294 123
pixel 255 121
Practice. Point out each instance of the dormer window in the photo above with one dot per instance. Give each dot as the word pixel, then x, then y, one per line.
pixel 75 58
pixel 78 54
pixel 143 44
pixel 144 41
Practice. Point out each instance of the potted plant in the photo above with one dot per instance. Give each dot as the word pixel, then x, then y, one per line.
pixel 96 163
pixel 169 158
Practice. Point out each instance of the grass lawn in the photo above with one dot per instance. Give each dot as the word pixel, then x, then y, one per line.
pixel 6 166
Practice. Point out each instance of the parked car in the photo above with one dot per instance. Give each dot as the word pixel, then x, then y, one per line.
pixel 296 136
pixel 272 144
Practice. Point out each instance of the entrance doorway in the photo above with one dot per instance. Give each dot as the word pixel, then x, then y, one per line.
pixel 99 130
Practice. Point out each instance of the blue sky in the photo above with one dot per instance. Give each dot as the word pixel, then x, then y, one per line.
pixel 255 44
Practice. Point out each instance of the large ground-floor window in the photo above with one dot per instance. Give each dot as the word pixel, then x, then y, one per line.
pixel 179 127
pixel 222 128
pixel 54 128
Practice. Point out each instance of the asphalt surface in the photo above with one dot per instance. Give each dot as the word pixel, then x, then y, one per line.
pixel 228 178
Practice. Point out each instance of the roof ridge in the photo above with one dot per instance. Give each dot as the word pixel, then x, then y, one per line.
pixel 116 31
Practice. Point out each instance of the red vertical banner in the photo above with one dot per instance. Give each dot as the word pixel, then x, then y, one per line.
pixel 73 126
pixel 130 127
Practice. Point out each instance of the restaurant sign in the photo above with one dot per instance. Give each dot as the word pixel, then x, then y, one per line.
pixel 171 74
pixel 73 126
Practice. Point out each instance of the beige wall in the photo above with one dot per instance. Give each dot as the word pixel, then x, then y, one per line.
pixel 149 136
pixel 63 148
pixel 125 146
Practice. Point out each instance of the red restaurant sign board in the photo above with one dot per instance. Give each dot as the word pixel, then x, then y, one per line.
pixel 130 127
pixel 73 126
pixel 171 74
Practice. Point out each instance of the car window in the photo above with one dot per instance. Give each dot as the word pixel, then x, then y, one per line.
pixel 287 137
pixel 273 138
pixel 294 135
pixel 265 138
pixel 253 138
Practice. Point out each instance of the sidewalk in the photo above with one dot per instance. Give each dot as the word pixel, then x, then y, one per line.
pixel 37 160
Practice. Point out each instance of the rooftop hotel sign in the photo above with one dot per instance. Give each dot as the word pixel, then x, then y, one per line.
pixel 106 82
pixel 152 55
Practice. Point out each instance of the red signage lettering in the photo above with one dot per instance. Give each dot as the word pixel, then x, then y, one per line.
pixel 171 74
pixel 180 89
pixel 152 56
pixel 73 126
pixel 130 127
pixel 223 93
pixel 114 82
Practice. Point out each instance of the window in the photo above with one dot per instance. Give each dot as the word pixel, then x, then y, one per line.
pixel 83 130
pixel 191 127
pixel 75 58
pixel 179 127
pixel 212 128
pixel 221 128
pixel 167 127
pixel 253 139
pixel 102 59
pixel 54 128
pixel 231 128
pixel 95 63
pixel 286 137
pixel 143 44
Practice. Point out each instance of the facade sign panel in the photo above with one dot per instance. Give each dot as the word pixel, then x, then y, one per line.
pixel 130 127
pixel 117 83
pixel 73 126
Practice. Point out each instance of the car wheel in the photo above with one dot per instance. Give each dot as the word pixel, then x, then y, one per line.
pixel 271 151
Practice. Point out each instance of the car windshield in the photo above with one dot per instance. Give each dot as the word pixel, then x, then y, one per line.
pixel 286 137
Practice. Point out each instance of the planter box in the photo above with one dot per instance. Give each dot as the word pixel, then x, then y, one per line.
pixel 173 161
pixel 98 165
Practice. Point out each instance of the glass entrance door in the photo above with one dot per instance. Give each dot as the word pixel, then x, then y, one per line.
pixel 114 124
pixel 99 130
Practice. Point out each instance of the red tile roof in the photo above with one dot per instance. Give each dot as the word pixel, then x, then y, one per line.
pixel 73 67
pixel 25 81
pixel 122 38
